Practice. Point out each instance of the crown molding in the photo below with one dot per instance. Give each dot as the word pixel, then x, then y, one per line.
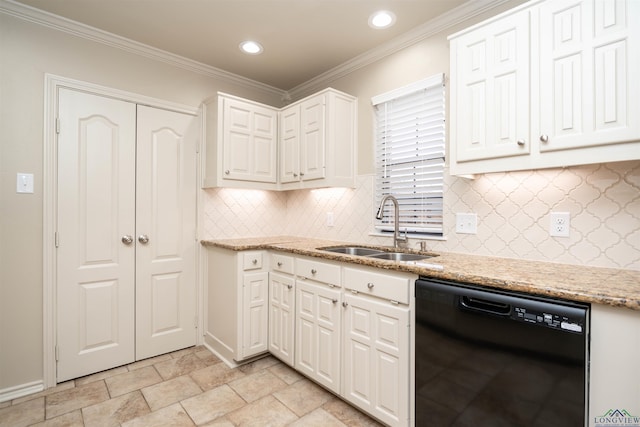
pixel 74 28
pixel 447 20
pixel 455 16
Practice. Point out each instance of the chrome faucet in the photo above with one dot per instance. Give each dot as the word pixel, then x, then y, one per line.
pixel 396 219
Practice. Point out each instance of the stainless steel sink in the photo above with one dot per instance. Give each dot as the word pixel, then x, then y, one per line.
pixel 352 250
pixel 399 256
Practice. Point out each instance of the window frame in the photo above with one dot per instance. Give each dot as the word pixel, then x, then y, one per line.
pixel 422 214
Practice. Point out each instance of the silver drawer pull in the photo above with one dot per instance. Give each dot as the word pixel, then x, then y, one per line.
pixel 254 262
pixel 279 264
pixel 544 138
pixel 370 285
pixel 127 239
pixel 334 300
pixel 289 286
pixel 521 142
pixel 345 304
pixel 314 271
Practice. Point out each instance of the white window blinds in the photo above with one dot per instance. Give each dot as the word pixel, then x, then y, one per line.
pixel 410 135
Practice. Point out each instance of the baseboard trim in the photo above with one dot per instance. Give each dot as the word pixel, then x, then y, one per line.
pixel 21 390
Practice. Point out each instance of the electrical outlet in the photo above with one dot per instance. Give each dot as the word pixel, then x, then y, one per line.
pixel 467 223
pixel 559 224
pixel 330 219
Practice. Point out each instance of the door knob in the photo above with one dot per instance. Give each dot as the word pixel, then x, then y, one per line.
pixel 143 238
pixel 127 239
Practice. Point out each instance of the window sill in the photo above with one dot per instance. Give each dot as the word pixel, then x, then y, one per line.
pixel 417 236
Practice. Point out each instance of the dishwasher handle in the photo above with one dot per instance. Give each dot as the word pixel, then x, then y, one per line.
pixel 485 306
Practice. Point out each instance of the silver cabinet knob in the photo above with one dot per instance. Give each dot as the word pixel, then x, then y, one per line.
pixel 544 138
pixel 334 300
pixel 254 261
pixel 289 286
pixel 301 173
pixel 226 172
pixel 345 304
pixel 370 285
pixel 127 239
pixel 295 175
pixel 143 238
pixel 314 271
pixel 521 142
pixel 279 264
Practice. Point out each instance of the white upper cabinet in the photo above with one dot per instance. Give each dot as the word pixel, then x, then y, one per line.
pixel 309 144
pixel 317 145
pixel 248 135
pixel 548 84
pixel 491 74
pixel 588 74
pixel 289 145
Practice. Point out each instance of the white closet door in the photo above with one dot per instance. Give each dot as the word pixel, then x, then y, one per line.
pixel 96 211
pixel 166 216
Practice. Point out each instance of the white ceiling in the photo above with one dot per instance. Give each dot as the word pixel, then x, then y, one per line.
pixel 302 38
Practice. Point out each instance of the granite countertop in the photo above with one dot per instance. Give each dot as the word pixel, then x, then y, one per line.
pixel 610 286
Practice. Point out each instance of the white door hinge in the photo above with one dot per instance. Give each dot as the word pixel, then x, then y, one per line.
pixel 57 125
pixel 195 321
pixel 56 239
pixel 57 354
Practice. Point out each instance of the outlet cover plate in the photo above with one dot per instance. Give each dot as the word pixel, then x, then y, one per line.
pixel 466 223
pixel 559 224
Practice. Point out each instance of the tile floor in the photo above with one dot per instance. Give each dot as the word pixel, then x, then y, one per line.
pixel 186 388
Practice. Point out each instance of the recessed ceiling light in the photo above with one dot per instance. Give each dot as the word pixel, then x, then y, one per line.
pixel 251 47
pixel 382 19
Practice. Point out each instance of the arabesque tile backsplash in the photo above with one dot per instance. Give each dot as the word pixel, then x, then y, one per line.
pixel 513 214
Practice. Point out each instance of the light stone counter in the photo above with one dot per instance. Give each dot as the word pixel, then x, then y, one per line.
pixel 615 287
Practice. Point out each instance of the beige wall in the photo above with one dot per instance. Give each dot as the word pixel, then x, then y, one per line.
pixel 27 52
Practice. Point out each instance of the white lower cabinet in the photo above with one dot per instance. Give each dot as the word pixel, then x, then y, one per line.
pixel 282 308
pixel 237 304
pixel 318 327
pixel 281 317
pixel 346 327
pixel 376 358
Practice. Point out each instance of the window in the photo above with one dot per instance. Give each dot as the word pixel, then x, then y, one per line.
pixel 410 155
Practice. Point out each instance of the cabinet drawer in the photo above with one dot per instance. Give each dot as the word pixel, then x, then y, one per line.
pixel 252 260
pixel 318 271
pixel 380 285
pixel 282 263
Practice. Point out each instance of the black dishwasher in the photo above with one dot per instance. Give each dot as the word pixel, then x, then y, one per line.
pixel 495 358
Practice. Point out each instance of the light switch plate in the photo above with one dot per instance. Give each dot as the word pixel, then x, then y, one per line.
pixel 467 223
pixel 24 183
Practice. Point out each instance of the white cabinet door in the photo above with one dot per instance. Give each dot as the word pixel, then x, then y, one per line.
pixel 376 358
pixel 490 90
pixel 312 138
pixel 317 350
pixel 589 64
pixel 290 144
pixel 255 314
pixel 281 316
pixel 249 141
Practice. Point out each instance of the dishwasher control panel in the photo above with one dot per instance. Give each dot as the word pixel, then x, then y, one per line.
pixel 550 320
